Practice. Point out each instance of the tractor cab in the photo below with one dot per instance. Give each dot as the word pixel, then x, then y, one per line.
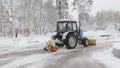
pixel 65 26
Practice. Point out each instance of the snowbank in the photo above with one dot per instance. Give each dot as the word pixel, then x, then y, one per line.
pixel 116 50
pixel 107 58
pixel 23 43
pixel 116 46
pixel 116 39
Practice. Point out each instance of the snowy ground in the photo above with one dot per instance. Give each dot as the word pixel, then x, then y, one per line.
pixel 27 52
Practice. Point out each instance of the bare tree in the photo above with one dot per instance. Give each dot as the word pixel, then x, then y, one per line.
pixel 1 19
pixel 103 18
pixel 62 7
pixel 84 7
pixel 4 19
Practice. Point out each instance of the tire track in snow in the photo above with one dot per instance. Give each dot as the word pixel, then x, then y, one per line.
pixel 65 58
pixel 22 53
pixel 9 57
pixel 83 56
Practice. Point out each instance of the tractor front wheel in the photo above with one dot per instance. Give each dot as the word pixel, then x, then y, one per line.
pixel 71 41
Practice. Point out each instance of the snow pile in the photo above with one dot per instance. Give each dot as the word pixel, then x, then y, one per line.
pixel 107 58
pixel 116 50
pixel 116 39
pixel 116 46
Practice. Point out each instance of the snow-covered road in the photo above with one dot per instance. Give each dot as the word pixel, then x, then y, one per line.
pixel 79 57
pixel 28 53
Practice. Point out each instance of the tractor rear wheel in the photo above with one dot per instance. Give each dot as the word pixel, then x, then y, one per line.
pixel 85 42
pixel 71 41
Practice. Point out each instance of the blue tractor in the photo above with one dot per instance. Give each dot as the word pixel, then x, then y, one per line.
pixel 68 33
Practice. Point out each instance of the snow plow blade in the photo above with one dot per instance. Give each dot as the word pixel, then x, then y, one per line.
pixel 91 42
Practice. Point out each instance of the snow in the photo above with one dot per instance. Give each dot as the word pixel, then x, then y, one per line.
pixel 98 35
pixel 23 43
pixel 66 20
pixel 9 45
pixel 104 57
pixel 39 59
pixel 110 31
pixel 116 46
pixel 107 58
pixel 117 38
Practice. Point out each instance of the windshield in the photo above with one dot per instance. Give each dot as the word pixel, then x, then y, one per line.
pixel 62 27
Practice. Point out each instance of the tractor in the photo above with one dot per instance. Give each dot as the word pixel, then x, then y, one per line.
pixel 68 33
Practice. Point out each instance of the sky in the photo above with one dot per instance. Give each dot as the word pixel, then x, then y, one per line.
pixel 99 5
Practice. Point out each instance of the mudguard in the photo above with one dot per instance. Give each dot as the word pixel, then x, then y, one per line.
pixel 66 34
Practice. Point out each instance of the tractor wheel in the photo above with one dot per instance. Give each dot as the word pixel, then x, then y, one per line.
pixel 85 42
pixel 59 45
pixel 71 41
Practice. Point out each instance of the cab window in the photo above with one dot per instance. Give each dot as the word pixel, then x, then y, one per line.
pixel 69 27
pixel 74 26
